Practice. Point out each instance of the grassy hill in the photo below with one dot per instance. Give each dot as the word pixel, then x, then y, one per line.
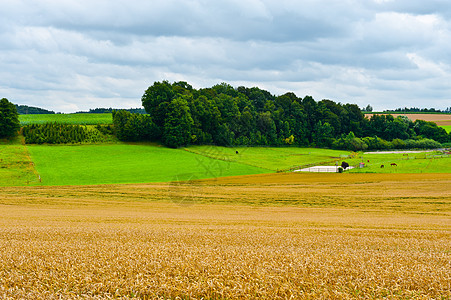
pixel 127 163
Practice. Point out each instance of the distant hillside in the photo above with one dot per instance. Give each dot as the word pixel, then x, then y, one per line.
pixel 31 110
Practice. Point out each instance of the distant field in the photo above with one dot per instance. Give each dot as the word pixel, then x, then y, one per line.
pixel 127 163
pixel 439 119
pixel 269 236
pixel 81 119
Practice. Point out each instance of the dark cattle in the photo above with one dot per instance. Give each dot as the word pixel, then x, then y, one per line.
pixel 236 152
pixel 393 165
pixel 368 160
pixel 382 166
pixel 344 165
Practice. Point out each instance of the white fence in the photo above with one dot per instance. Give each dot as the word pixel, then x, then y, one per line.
pixel 322 169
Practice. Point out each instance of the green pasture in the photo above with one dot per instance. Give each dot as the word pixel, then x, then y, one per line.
pixel 272 158
pixel 145 162
pixel 447 128
pixel 75 119
pixel 16 167
pixel 127 163
pixel 424 162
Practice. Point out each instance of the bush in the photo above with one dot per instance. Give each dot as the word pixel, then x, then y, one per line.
pixel 56 133
pixel 134 127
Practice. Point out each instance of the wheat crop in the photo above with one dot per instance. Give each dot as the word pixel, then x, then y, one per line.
pixel 104 242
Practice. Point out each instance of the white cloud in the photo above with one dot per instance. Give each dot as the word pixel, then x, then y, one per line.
pixel 72 55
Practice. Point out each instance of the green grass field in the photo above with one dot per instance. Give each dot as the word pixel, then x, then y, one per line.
pixel 140 163
pixel 80 119
pixel 425 162
pixel 271 158
pixel 127 163
pixel 16 167
pixel 447 128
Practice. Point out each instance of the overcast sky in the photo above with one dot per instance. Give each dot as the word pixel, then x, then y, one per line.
pixel 71 55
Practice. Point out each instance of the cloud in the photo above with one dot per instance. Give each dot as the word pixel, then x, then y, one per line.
pixel 72 55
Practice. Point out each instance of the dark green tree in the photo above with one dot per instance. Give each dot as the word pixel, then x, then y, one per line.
pixel 134 127
pixel 156 101
pixel 323 134
pixel 178 124
pixel 9 119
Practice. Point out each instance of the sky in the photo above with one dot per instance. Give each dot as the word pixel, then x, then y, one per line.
pixel 72 55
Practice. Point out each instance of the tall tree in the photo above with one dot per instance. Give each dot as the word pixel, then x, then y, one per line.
pixel 177 127
pixel 9 119
pixel 156 100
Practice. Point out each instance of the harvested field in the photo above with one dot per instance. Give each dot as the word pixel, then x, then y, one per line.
pixel 439 119
pixel 272 236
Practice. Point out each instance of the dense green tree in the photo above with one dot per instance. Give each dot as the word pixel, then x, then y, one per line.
pixel 134 127
pixel 430 130
pixel 226 89
pixel 368 108
pixel 224 115
pixel 9 119
pixel 156 100
pixel 323 135
pixel 312 115
pixel 206 118
pixel 267 127
pixel 177 128
pixel 397 129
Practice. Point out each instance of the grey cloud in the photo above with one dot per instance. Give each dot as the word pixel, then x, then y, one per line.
pixel 70 54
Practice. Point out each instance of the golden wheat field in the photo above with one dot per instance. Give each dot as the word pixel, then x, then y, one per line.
pixel 276 236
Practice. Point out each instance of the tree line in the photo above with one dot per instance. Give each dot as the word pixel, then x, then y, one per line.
pixel 31 110
pixel 110 110
pixel 420 110
pixel 180 115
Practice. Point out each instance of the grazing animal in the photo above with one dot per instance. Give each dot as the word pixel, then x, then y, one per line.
pixel 393 165
pixel 368 160
pixel 382 166
pixel 344 165
pixel 236 152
